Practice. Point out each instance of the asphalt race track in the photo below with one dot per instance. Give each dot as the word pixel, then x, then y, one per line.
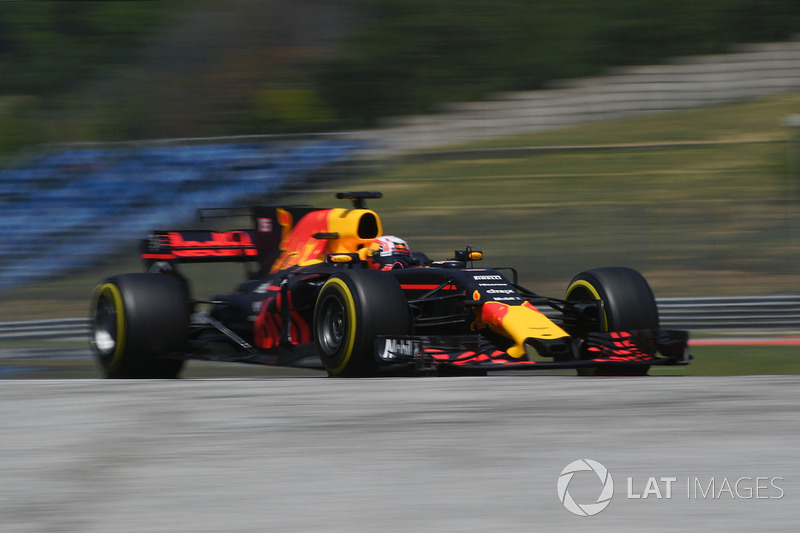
pixel 427 454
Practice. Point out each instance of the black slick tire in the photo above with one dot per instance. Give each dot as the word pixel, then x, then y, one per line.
pixel 628 304
pixel 352 309
pixel 137 320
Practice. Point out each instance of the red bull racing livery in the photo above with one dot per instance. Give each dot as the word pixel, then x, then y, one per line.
pixel 330 290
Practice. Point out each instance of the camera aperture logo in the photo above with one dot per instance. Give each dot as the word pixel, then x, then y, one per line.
pixel 585 509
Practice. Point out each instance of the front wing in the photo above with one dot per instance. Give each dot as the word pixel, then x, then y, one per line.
pixel 627 349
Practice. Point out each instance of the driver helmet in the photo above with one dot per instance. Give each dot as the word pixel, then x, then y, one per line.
pixel 389 252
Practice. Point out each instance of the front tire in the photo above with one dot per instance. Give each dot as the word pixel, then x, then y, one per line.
pixel 628 304
pixel 352 309
pixel 136 320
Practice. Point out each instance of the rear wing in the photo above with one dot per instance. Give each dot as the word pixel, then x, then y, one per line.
pixel 271 224
pixel 197 246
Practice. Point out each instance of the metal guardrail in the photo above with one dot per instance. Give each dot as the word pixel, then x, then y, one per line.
pixel 52 329
pixel 747 312
pixel 751 313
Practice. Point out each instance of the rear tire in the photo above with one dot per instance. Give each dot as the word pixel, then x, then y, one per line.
pixel 136 320
pixel 352 309
pixel 628 304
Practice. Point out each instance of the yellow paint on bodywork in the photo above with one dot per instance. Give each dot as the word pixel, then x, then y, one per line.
pixel 519 323
pixel 350 225
pixel 355 230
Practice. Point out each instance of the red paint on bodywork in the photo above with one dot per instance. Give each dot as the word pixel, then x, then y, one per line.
pixel 269 322
pixel 221 244
pixel 301 246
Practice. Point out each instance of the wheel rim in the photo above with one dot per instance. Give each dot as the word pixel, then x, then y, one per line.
pixel 584 295
pixel 105 327
pixel 332 326
pixel 580 294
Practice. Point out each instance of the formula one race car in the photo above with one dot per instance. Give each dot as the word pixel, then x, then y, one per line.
pixel 330 290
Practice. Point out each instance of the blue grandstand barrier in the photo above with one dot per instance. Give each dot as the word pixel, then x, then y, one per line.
pixel 64 210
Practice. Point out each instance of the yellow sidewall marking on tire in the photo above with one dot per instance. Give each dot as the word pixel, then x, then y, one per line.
pixel 588 286
pixel 351 321
pixel 110 291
